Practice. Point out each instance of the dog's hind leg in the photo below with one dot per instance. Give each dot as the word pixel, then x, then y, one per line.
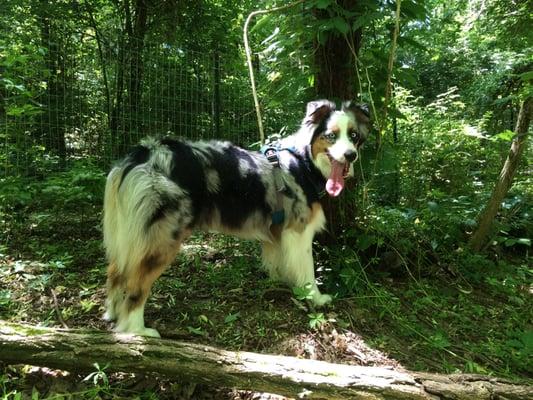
pixel 115 292
pixel 137 288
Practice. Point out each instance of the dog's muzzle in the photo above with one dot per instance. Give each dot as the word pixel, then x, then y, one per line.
pixel 339 171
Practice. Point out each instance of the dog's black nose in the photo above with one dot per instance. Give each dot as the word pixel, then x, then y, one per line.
pixel 350 155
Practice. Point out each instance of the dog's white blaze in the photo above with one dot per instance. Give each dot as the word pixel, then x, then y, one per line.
pixel 343 142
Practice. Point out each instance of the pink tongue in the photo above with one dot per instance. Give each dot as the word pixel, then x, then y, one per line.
pixel 335 183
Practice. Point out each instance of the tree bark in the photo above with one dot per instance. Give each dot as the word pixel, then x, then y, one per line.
pixel 505 180
pixel 334 60
pixel 336 80
pixel 136 43
pixel 288 376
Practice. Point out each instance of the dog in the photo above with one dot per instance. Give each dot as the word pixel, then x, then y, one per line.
pixel 167 188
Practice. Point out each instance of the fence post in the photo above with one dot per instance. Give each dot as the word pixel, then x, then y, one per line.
pixel 216 93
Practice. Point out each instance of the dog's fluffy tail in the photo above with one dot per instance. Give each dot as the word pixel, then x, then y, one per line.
pixel 144 210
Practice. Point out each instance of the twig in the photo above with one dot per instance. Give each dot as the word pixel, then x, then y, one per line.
pixel 249 61
pixel 56 308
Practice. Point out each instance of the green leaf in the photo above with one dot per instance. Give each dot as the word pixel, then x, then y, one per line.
pixel 322 37
pixel 196 331
pixel 510 242
pixel 413 9
pixel 524 241
pixel 527 339
pixel 303 293
pixel 260 23
pixel 526 76
pixel 365 241
pixel 440 340
pixel 316 319
pixel 232 317
pixel 322 4
pixel 433 206
pixel 341 25
pixel 505 136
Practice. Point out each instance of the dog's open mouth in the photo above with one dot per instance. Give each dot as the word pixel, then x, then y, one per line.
pixel 335 182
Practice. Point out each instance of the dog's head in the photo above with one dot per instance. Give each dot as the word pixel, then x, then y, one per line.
pixel 336 139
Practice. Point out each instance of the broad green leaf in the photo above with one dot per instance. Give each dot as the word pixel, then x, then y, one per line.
pixel 232 317
pixel 524 241
pixel 322 4
pixel 260 23
pixel 505 136
pixel 526 76
pixel 341 25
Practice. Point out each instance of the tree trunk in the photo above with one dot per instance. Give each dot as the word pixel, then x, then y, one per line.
pixel 334 60
pixel 288 376
pixel 505 180
pixel 136 40
pixel 336 80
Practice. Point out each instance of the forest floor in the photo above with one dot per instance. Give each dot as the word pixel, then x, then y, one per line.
pixel 216 293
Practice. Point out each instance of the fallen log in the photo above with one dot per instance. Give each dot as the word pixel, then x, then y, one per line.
pixel 77 351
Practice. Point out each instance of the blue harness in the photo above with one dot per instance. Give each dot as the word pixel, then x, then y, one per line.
pixel 271 152
pixel 314 181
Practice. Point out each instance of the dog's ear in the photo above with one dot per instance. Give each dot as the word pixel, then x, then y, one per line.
pixel 318 110
pixel 360 111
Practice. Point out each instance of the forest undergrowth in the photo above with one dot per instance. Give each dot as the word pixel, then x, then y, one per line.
pixel 408 291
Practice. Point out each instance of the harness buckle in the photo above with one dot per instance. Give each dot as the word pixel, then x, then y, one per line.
pixel 271 153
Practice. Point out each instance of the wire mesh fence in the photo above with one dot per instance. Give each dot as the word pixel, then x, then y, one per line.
pixel 69 100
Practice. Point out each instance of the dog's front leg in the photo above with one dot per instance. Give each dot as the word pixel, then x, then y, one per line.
pixel 298 268
pixel 290 258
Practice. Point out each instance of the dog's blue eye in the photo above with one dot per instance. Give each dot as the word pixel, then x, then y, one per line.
pixel 330 137
pixel 354 135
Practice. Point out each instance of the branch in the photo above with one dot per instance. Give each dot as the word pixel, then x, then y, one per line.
pixel 505 180
pixel 249 61
pixel 289 376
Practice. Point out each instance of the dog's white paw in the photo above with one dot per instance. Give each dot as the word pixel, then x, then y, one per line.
pixel 148 332
pixel 321 299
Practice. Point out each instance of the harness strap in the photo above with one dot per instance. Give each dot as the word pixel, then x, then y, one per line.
pixel 272 155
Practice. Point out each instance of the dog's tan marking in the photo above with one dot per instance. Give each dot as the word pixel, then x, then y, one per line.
pixel 141 278
pixel 316 211
pixel 320 145
pixel 335 129
pixel 275 230
pixel 299 224
pixel 151 261
pixel 114 277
